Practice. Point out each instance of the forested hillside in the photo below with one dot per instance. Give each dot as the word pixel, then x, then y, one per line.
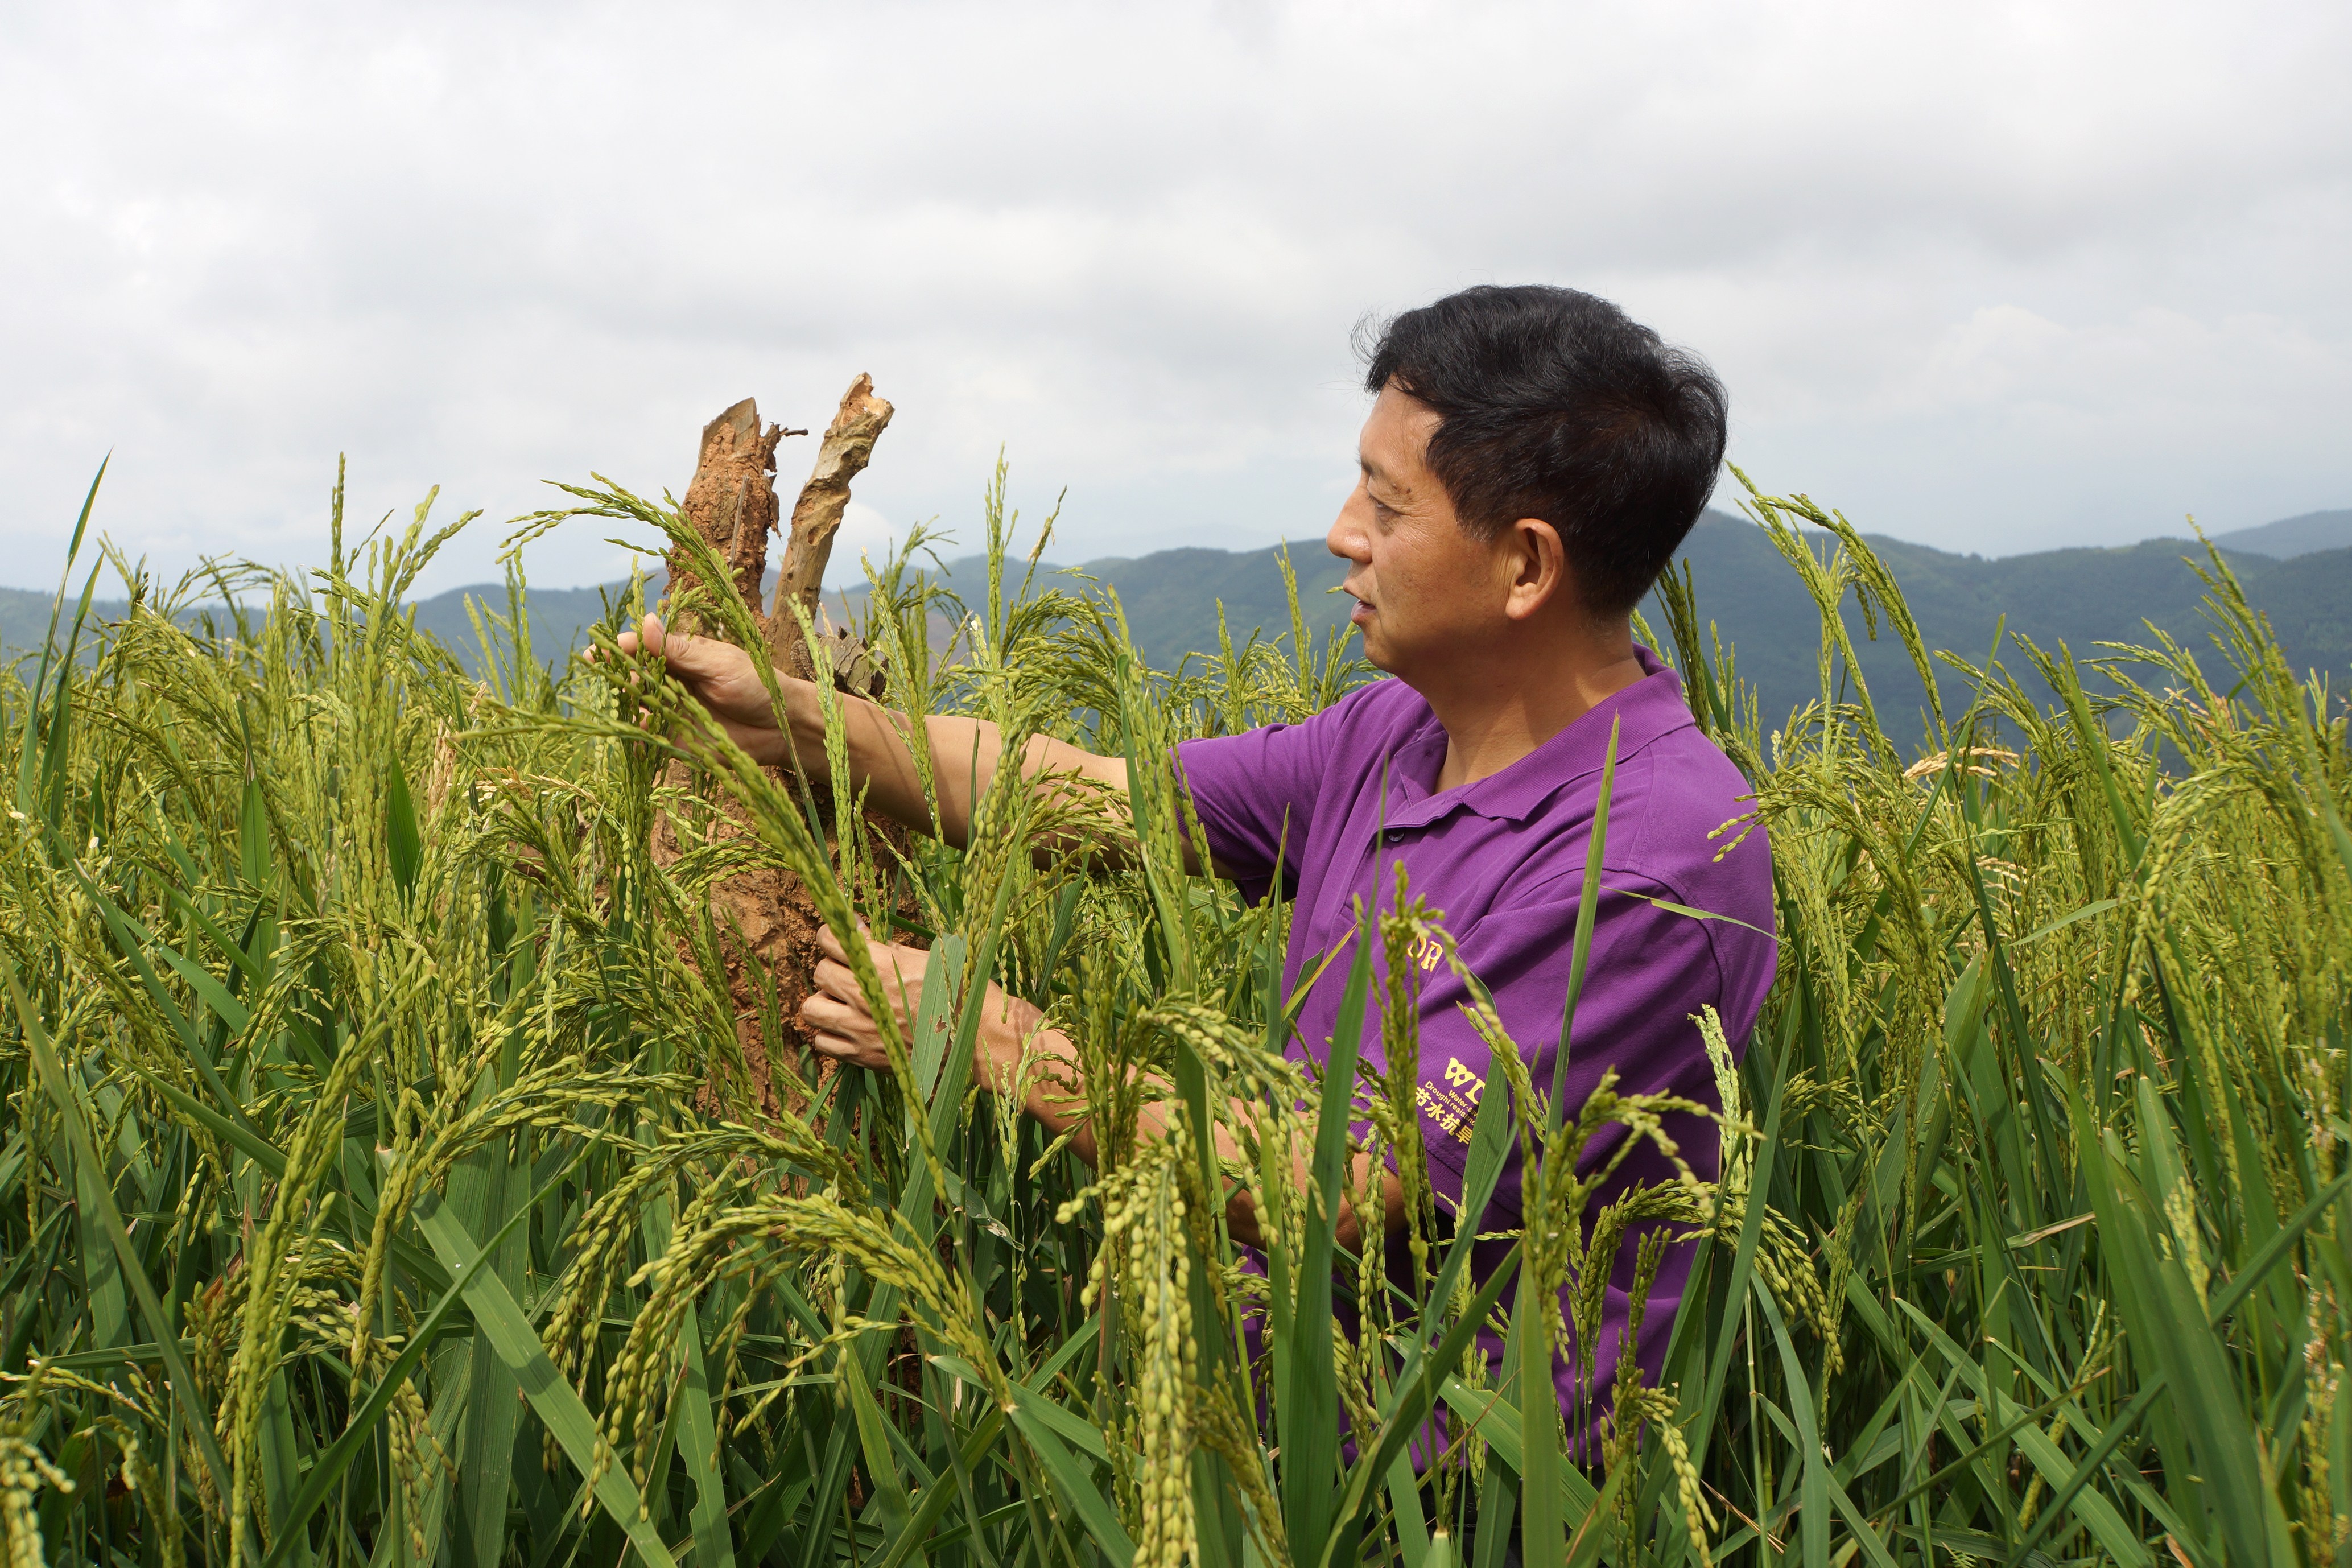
pixel 2078 597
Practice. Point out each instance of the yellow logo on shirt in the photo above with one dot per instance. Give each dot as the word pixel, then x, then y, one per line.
pixel 1426 951
pixel 1453 1107
pixel 1459 1076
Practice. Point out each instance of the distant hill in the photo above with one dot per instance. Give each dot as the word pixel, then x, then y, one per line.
pixel 1756 603
pixel 1759 605
pixel 560 618
pixel 23 621
pixel 2078 596
pixel 2293 536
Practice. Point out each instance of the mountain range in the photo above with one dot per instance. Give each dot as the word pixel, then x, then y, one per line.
pixel 2298 571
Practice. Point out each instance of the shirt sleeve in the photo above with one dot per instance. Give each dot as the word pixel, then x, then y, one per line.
pixel 1254 794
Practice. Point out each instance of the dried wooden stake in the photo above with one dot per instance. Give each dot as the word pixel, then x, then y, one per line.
pixel 816 517
pixel 768 922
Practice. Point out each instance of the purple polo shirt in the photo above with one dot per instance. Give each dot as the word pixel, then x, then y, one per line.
pixel 1503 859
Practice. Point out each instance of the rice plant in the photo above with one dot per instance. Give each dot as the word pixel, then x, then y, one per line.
pixel 387 1181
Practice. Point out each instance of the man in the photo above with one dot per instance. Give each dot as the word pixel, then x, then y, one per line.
pixel 1532 459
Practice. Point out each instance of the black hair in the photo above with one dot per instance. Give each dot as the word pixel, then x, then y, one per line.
pixel 1554 404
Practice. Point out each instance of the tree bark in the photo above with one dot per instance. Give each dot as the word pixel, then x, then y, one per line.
pixel 731 500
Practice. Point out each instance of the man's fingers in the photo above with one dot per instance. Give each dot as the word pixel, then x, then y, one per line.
pixel 843 1033
pixel 828 1013
pixel 687 654
pixel 836 980
pixel 628 641
pixel 887 956
pixel 693 658
pixel 835 1046
pixel 647 634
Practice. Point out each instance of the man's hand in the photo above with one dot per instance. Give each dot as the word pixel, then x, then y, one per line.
pixel 842 1025
pixel 964 753
pixel 836 1015
pixel 723 677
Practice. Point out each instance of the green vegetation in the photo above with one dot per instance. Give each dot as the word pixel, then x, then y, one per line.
pixel 386 1183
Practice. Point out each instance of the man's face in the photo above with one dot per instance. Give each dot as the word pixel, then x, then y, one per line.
pixel 1427 592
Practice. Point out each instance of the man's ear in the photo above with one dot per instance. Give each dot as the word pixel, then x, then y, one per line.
pixel 1537 566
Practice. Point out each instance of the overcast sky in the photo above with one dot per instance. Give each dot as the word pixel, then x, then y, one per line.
pixel 1994 278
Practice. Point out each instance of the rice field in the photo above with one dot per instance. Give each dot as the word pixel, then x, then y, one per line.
pixel 387 1179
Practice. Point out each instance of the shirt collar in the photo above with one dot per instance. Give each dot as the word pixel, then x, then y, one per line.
pixel 1649 708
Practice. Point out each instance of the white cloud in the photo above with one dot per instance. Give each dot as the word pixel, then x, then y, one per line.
pixel 865 532
pixel 1992 277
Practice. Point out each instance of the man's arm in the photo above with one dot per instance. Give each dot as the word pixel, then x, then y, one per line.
pixel 841 1026
pixel 965 754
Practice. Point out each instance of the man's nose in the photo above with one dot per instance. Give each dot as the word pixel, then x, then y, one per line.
pixel 1346 537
